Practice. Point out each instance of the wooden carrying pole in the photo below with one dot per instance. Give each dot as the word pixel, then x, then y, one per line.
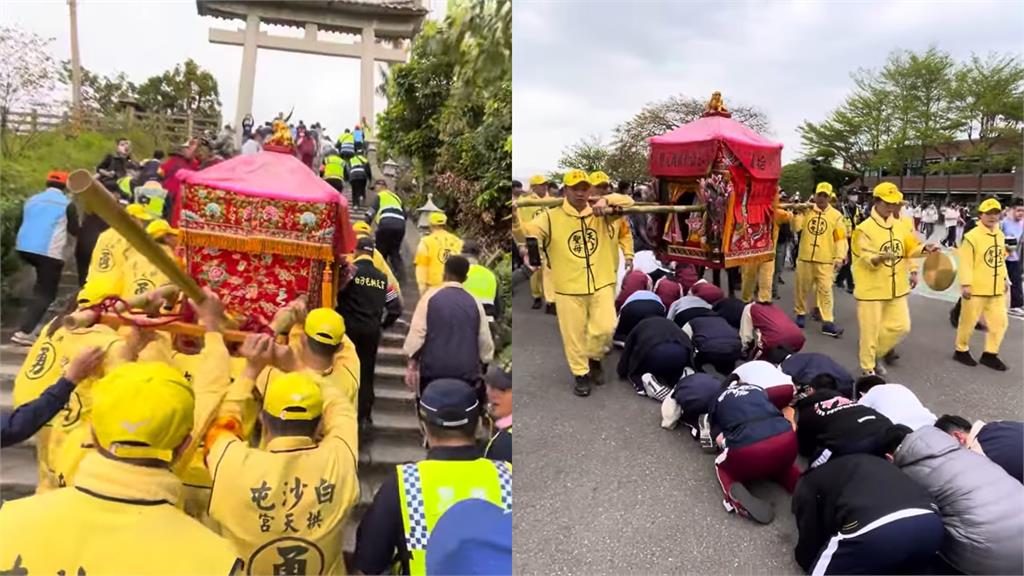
pixel 94 198
pixel 644 208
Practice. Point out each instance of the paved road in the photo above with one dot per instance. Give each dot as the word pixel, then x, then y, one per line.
pixel 601 488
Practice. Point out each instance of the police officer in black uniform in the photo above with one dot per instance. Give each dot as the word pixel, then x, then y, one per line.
pixel 368 306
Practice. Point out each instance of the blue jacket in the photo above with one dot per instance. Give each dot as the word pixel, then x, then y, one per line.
pixel 745 415
pixel 451 349
pixel 21 423
pixel 45 224
pixel 1003 443
pixel 711 333
pixel 803 367
pixel 695 394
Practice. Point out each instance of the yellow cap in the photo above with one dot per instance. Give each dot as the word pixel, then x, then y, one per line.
pixel 438 219
pixel 574 177
pixel 824 187
pixel 598 178
pixel 988 205
pixel 159 228
pixel 139 211
pixel 325 326
pixel 888 192
pixel 142 410
pixel 538 179
pixel 97 289
pixel 293 396
pixel 361 228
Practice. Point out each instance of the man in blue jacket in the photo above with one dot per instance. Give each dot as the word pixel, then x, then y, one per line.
pixel 47 219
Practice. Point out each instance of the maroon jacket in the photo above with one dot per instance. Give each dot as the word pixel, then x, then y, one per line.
pixel 633 282
pixel 172 183
pixel 707 292
pixel 776 327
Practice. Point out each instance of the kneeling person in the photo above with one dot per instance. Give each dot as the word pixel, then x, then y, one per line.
pixel 639 306
pixel 860 515
pixel 656 354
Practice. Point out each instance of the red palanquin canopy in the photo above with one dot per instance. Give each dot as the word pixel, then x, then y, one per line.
pixel 689 150
pixel 261 230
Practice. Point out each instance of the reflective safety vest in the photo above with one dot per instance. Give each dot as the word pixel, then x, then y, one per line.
pixel 334 167
pixel 483 285
pixel 427 489
pixel 347 145
pixel 433 252
pixel 982 258
pixel 124 183
pixel 152 198
pixel 390 206
pixel 357 168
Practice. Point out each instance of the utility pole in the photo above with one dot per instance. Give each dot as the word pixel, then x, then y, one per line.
pixel 76 65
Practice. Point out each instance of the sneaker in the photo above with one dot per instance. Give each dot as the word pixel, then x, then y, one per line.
pixel 799 320
pixel 964 358
pixel 550 309
pixel 22 339
pixel 867 372
pixel 654 389
pixel 751 506
pixel 707 443
pixel 1018 311
pixel 830 329
pixel 849 290
pixel 596 372
pixel 992 361
pixel 537 303
pixel 816 315
pixel 880 369
pixel 582 386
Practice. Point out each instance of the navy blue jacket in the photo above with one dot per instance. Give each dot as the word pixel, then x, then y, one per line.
pixel 451 348
pixel 745 415
pixel 633 312
pixel 1003 443
pixel 712 333
pixel 25 420
pixel 803 367
pixel 731 309
pixel 695 394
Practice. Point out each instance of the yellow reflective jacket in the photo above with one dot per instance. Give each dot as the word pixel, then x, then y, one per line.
pixel 889 279
pixel 580 247
pixel 120 519
pixel 822 235
pixel 982 258
pixel 431 254
pixel 289 501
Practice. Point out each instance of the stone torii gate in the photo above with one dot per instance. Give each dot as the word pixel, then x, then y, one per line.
pixel 385 29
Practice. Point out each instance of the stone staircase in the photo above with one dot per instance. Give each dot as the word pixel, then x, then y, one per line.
pixel 393 439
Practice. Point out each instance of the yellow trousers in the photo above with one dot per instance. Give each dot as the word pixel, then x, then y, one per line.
pixel 819 277
pixel 993 308
pixel 762 275
pixel 587 324
pixel 541 283
pixel 883 323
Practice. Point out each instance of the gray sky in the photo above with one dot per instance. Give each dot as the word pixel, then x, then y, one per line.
pixel 580 68
pixel 145 37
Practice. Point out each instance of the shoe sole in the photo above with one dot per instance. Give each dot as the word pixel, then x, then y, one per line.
pixel 832 334
pixel 972 363
pixel 581 391
pixel 20 342
pixel 760 511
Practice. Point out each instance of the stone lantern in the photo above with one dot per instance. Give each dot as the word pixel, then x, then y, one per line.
pixel 423 221
pixel 390 168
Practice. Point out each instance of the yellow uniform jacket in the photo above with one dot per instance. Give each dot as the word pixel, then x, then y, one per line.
pixel 822 235
pixel 983 261
pixel 889 279
pixel 432 253
pixel 581 248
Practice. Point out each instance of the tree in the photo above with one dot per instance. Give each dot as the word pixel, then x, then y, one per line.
pixel 450 112
pixel 628 158
pixel 796 178
pixel 28 77
pixel 988 101
pixel 589 154
pixel 186 89
pixel 101 94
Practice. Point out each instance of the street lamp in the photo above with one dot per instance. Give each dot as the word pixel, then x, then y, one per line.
pixel 390 168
